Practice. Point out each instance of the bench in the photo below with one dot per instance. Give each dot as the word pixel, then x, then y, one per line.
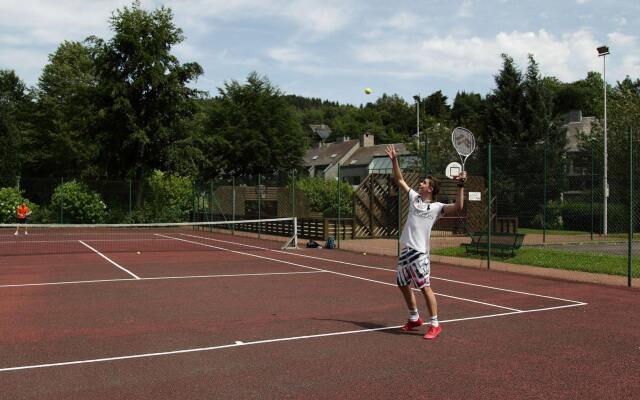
pixel 502 243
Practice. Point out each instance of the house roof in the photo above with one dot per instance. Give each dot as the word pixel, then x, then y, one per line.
pixel 364 155
pixel 322 155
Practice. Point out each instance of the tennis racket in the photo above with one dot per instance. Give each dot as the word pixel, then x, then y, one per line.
pixel 464 142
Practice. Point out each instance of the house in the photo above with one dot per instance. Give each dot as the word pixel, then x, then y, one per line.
pixel 578 160
pixel 357 158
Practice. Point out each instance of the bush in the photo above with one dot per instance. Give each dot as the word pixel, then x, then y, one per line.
pixel 169 199
pixel 79 204
pixel 577 216
pixel 10 198
pixel 323 196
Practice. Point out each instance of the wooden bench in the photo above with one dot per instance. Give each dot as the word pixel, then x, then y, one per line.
pixel 502 243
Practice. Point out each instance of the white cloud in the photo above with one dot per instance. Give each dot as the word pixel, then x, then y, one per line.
pixel 582 1
pixel 288 55
pixel 568 57
pixel 621 39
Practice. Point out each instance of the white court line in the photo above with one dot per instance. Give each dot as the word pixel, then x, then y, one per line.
pixel 257 342
pixel 110 260
pixel 158 278
pixel 332 272
pixel 384 269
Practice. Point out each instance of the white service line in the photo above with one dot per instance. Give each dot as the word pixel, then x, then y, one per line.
pixel 384 269
pixel 331 272
pixel 110 260
pixel 239 343
pixel 158 278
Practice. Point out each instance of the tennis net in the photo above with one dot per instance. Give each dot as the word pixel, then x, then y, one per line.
pixel 276 233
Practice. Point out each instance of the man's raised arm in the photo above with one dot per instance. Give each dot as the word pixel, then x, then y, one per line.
pixel 397 174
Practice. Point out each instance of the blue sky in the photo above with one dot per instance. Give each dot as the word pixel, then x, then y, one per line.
pixel 334 49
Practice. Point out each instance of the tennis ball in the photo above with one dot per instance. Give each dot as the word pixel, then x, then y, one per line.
pixel 368 90
pixel 364 254
pixel 138 252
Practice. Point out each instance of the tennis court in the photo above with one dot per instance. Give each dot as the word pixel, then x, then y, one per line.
pixel 177 312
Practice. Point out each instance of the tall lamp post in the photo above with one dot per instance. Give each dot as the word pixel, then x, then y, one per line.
pixel 417 99
pixel 603 51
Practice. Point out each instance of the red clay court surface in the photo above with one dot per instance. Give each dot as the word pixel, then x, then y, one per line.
pixel 241 322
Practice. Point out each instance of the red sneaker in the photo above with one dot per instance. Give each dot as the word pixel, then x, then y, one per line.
pixel 410 325
pixel 433 332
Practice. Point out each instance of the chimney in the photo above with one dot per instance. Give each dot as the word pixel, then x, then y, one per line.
pixel 366 139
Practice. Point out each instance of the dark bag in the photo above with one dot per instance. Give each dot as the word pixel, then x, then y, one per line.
pixel 312 244
pixel 331 242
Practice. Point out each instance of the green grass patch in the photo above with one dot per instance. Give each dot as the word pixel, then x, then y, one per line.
pixel 545 258
pixel 552 232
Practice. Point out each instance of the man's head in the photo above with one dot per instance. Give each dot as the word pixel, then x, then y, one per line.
pixel 429 187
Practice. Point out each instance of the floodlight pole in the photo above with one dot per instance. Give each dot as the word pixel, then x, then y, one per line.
pixel 603 51
pixel 417 99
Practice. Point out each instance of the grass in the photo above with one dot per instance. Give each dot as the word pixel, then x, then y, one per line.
pixel 571 233
pixel 567 260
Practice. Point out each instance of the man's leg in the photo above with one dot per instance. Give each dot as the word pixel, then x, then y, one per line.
pixel 430 298
pixel 432 305
pixel 414 317
pixel 409 298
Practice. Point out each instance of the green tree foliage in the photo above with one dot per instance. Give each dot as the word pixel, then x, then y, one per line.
pixel 323 196
pixel 143 98
pixel 505 105
pixel 255 128
pixel 468 111
pixel 169 199
pixel 63 143
pixel 15 108
pixel 436 105
pixel 78 203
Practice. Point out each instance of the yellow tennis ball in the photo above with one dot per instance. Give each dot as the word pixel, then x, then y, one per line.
pixel 368 90
pixel 138 252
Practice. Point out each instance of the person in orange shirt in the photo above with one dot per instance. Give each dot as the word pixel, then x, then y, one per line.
pixel 22 212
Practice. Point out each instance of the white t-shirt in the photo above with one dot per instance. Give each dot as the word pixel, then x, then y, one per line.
pixel 422 216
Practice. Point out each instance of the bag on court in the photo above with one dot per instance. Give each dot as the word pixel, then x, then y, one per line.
pixel 312 244
pixel 331 243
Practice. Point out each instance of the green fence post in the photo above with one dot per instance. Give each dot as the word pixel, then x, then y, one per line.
pixel 592 178
pixel 630 238
pixel 259 205
pixel 544 212
pixel 233 203
pixel 399 214
pixel 61 201
pixel 490 202
pixel 338 224
pixel 130 203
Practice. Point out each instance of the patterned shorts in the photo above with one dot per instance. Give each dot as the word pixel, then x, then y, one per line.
pixel 413 266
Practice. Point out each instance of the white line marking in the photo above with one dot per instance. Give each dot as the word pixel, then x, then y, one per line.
pixel 110 260
pixel 333 272
pixel 257 342
pixel 382 269
pixel 158 278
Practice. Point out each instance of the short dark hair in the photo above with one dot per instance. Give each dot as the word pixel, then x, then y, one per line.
pixel 434 184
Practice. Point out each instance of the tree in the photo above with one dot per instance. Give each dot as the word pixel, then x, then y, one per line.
pixel 143 97
pixel 15 107
pixel 536 113
pixel 505 104
pixel 63 143
pixel 468 111
pixel 436 105
pixel 255 128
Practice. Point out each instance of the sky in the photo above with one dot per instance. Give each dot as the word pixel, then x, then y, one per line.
pixel 334 49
